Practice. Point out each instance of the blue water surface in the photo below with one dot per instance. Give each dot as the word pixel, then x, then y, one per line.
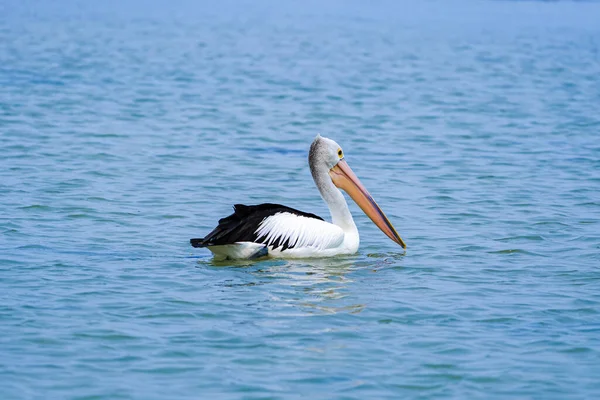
pixel 127 128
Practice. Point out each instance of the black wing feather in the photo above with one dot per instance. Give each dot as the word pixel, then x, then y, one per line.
pixel 241 226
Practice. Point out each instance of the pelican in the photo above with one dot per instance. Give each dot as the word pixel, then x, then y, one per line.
pixel 273 230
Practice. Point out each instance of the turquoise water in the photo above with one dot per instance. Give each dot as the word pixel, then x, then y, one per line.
pixel 126 129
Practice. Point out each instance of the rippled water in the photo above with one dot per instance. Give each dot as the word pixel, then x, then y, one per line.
pixel 126 129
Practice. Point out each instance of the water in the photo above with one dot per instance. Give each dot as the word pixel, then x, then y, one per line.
pixel 126 129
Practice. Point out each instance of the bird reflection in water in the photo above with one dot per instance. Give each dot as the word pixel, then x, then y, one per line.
pixel 312 286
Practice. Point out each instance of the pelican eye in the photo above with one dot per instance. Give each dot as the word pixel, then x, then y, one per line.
pixel 340 153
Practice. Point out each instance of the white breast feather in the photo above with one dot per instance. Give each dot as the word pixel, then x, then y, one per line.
pixel 301 231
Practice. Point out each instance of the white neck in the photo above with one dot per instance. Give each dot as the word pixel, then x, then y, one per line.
pixel 338 208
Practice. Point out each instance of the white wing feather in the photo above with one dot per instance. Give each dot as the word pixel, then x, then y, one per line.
pixel 301 232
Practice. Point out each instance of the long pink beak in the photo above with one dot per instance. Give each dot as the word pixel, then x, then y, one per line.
pixel 344 178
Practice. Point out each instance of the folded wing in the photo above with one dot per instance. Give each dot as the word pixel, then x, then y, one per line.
pixel 275 225
pixel 292 231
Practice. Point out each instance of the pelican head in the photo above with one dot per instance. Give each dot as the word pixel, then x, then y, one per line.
pixel 326 160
